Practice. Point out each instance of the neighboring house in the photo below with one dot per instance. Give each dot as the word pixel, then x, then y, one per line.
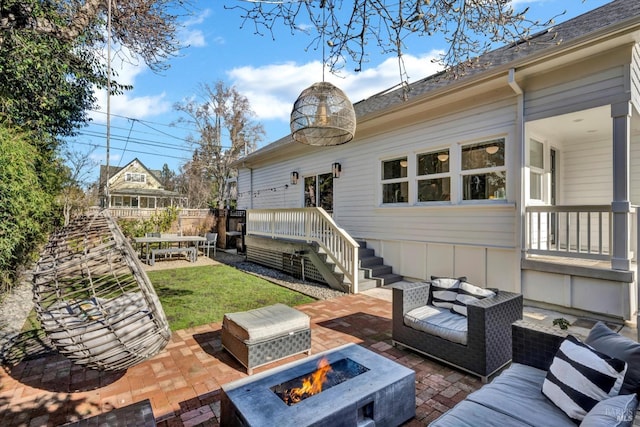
pixel 135 186
pixel 522 175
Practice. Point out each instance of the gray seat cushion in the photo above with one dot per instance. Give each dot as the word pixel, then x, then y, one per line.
pixel 438 321
pixel 121 320
pixel 471 414
pixel 517 393
pixel 265 322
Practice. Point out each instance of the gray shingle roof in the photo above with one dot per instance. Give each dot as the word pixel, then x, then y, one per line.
pixel 555 37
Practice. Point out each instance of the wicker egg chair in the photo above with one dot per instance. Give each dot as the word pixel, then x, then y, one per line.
pixel 94 300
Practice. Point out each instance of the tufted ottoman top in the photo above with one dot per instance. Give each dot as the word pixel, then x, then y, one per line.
pixel 265 322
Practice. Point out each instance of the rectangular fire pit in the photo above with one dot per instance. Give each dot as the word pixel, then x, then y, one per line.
pixel 361 389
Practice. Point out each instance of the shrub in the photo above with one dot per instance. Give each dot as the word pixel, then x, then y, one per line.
pixel 26 215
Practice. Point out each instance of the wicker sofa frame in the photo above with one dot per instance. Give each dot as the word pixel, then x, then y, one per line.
pixel 535 345
pixel 488 347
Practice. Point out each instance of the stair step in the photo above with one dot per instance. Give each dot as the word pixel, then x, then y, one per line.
pixel 365 252
pixel 365 284
pixel 370 261
pixel 388 279
pixel 379 270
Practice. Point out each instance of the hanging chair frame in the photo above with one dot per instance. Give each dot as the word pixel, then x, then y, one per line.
pixel 94 300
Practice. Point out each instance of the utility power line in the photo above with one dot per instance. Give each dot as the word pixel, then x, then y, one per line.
pixel 158 154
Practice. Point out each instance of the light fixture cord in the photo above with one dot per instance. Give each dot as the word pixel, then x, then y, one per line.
pixel 324 25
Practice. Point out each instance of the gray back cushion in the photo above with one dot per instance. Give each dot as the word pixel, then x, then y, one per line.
pixel 615 345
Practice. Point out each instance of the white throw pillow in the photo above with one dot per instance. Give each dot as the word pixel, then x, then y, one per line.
pixel 580 377
pixel 444 291
pixel 468 293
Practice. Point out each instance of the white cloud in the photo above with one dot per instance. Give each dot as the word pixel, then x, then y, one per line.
pixel 197 19
pixel 192 38
pixel 139 107
pixel 272 89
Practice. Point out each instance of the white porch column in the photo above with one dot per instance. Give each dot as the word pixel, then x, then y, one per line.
pixel 621 206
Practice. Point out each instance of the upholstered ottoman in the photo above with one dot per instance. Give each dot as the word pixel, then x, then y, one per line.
pixel 266 334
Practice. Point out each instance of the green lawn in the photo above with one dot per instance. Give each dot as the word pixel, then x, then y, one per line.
pixel 199 295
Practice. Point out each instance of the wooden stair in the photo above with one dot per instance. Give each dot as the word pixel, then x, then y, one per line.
pixel 374 269
pixel 372 273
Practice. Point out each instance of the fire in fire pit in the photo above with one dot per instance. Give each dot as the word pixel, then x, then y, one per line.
pixel 326 376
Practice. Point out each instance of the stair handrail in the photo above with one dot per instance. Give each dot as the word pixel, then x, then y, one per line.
pixel 312 224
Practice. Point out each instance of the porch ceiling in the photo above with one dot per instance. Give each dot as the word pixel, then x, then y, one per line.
pixel 594 123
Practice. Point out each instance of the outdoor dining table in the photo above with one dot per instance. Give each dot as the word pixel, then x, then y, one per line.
pixel 168 239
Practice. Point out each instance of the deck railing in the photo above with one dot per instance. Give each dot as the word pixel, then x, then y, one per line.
pixel 569 231
pixel 124 212
pixel 309 225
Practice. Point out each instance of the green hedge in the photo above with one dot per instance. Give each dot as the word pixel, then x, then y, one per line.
pixel 26 209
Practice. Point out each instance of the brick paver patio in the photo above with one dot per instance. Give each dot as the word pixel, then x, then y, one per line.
pixel 183 382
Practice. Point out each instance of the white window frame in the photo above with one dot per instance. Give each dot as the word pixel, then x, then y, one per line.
pixel 384 182
pixel 540 173
pixel 424 177
pixel 482 171
pixel 135 177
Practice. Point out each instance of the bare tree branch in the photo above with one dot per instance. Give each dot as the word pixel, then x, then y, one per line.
pixel 146 27
pixel 469 27
pixel 219 109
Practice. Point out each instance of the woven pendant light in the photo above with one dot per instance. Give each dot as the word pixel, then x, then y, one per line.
pixel 323 115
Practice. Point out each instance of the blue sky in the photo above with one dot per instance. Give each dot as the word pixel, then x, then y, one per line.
pixel 270 73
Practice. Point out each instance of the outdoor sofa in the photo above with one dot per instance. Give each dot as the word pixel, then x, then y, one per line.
pixel 519 395
pixel 444 320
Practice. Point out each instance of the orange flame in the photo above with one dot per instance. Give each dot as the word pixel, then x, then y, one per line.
pixel 310 385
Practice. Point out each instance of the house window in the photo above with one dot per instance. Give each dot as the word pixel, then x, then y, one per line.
pixel 395 184
pixel 536 169
pixel 434 182
pixel 483 170
pixel 135 177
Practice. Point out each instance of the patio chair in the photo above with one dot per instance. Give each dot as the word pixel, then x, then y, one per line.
pixel 93 299
pixel 478 342
pixel 212 240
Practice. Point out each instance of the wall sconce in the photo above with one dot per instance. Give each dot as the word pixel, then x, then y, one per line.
pixel 294 177
pixel 336 168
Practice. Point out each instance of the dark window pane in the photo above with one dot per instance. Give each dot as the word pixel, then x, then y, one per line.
pixel 310 192
pixel 393 169
pixel 325 191
pixel 434 190
pixel 484 186
pixel 432 163
pixel 398 192
pixel 483 155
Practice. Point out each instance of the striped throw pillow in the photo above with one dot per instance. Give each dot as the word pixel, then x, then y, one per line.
pixel 580 377
pixel 468 293
pixel 443 291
